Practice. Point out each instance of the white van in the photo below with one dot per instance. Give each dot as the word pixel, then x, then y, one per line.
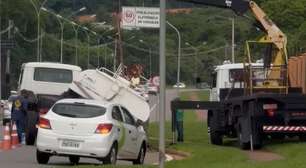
pixel 47 78
pixel 45 83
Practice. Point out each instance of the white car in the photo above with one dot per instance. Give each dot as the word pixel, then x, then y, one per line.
pixel 89 128
pixel 179 85
pixel 6 108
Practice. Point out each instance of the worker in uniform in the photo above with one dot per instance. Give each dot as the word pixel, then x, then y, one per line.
pixel 19 113
pixel 179 115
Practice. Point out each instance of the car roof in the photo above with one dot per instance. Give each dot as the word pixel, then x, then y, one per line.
pixel 52 65
pixel 86 101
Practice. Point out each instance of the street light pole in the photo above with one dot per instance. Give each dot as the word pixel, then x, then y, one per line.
pixel 59 17
pixel 38 10
pixel 76 12
pixel 233 40
pixel 179 52
pixel 195 58
pixel 88 40
pixel 233 36
pixel 75 28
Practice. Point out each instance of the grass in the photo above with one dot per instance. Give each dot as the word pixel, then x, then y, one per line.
pixel 204 154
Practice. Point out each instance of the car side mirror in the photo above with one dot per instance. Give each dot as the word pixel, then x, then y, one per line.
pixel 139 123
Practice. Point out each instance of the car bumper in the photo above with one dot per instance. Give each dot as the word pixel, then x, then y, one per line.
pixel 96 146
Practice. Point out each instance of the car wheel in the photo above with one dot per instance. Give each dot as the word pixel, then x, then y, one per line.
pixel 141 155
pixel 111 158
pixel 74 160
pixel 42 157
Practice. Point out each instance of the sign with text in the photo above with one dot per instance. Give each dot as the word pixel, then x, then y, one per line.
pixel 140 17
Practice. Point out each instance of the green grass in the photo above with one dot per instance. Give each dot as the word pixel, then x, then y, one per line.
pixel 204 154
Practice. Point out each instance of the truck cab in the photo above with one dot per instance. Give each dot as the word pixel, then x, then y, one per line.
pixel 228 76
pixel 45 82
pixel 47 78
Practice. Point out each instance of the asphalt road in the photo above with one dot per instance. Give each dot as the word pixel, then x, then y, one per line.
pixel 170 95
pixel 25 157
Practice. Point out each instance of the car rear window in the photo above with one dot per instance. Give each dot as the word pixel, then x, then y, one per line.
pixel 53 75
pixel 78 110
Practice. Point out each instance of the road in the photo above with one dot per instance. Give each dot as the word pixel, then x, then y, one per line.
pixel 170 95
pixel 24 157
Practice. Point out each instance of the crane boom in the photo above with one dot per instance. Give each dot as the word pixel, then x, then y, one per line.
pixel 275 60
pixel 240 7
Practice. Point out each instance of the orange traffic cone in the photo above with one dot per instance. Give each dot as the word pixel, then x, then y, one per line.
pixel 14 136
pixel 1 140
pixel 7 138
pixel 1 144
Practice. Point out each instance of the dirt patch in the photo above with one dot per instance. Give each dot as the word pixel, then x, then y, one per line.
pixel 262 155
pixel 177 155
pixel 201 114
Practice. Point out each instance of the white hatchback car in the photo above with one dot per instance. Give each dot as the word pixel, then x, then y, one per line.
pixel 89 128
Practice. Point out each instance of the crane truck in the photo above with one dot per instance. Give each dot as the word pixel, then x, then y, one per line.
pixel 253 101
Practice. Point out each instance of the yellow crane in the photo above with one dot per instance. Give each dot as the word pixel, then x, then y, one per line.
pixel 274 75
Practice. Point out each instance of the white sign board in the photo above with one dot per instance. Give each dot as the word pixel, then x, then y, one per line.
pixel 140 17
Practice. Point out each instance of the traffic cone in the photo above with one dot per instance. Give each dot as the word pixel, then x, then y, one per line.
pixel 1 146
pixel 7 138
pixel 1 140
pixel 14 136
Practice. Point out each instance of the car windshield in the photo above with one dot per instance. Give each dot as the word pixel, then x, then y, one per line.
pixel 53 75
pixel 78 110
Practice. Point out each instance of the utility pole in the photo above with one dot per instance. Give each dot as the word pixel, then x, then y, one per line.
pixel 118 41
pixel 233 40
pixel 8 60
pixel 162 73
pixel 0 55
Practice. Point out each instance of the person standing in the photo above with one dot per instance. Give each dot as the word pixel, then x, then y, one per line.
pixel 19 113
pixel 180 125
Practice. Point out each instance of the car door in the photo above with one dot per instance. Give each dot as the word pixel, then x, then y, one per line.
pixel 131 133
pixel 118 121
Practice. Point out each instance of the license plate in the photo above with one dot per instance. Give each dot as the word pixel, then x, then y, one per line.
pixel 70 144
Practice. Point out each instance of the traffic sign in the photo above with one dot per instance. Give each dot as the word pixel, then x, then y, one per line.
pixel 155 80
pixel 140 17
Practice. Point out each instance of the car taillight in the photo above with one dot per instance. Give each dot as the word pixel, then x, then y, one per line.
pixel 270 109
pixel 43 111
pixel 104 128
pixel 44 123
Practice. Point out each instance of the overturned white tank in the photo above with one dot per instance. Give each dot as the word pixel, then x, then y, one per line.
pixel 108 86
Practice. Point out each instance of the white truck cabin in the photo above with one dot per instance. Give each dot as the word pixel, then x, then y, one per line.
pixel 47 78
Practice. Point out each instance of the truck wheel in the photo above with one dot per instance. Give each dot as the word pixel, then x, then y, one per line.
pixel 257 137
pixel 31 130
pixel 278 136
pixel 302 137
pixel 216 137
pixel 242 145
